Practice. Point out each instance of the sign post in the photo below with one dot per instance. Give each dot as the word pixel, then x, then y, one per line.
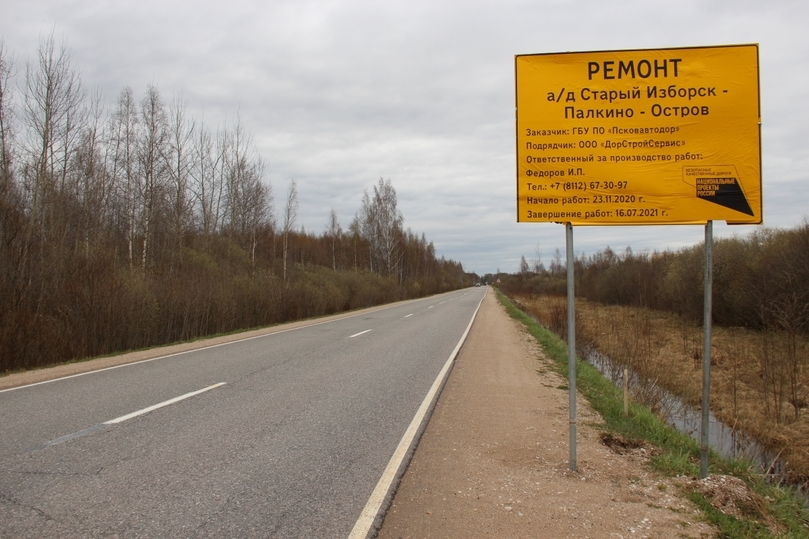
pixel 571 345
pixel 640 137
pixel 704 439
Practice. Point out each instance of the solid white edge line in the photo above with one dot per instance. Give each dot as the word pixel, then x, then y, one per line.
pixel 358 334
pixel 369 513
pixel 160 405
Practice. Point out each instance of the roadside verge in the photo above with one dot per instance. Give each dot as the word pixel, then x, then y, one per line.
pixel 492 461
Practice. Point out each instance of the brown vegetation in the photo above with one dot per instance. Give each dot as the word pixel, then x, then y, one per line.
pixel 666 352
pixel 645 311
pixel 139 226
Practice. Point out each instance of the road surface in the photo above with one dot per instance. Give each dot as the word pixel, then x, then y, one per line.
pixel 281 435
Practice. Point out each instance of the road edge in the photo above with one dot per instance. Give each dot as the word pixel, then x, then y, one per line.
pixel 373 513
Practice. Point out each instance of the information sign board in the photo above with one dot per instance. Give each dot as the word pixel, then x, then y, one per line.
pixel 658 136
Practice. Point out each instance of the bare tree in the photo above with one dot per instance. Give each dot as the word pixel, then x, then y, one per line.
pixel 388 225
pixel 11 215
pixel 557 268
pixel 6 132
pixel 249 199
pixel 235 161
pixel 206 185
pixel 356 235
pixel 123 147
pixel 333 232
pixel 257 205
pixel 51 104
pixel 524 269
pixel 181 135
pixel 152 151
pixel 380 224
pixel 366 227
pixel 92 184
pixel 537 265
pixel 52 119
pixel 8 189
pixel 289 218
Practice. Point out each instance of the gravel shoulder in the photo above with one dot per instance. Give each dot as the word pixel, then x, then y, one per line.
pixel 493 460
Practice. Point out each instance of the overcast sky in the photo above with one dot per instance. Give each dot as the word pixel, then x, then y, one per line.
pixel 340 93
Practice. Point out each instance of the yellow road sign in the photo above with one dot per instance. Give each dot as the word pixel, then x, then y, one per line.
pixel 663 136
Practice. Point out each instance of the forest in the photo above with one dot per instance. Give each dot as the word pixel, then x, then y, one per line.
pixel 136 225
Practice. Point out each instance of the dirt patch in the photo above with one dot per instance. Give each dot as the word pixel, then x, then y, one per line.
pixel 730 495
pixel 494 459
pixel 622 446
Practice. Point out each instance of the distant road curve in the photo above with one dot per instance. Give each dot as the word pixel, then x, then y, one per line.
pixel 282 434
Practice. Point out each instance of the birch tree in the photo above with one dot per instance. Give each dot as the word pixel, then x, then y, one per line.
pixel 249 198
pixel 206 185
pixel 9 199
pixel 51 118
pixel 366 227
pixel 289 218
pixel 91 183
pixel 380 224
pixel 255 208
pixel 11 215
pixel 181 136
pixel 333 232
pixel 123 149
pixel 51 115
pixel 152 164
pixel 6 132
pixel 388 225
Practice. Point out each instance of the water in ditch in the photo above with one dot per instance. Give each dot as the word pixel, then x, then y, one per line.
pixel 722 438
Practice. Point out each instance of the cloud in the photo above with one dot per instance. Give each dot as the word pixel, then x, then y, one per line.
pixel 340 93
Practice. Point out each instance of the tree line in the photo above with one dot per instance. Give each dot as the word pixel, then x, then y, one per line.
pixel 135 224
pixel 760 280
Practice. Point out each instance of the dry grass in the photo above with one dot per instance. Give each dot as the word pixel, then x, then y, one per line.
pixel 759 382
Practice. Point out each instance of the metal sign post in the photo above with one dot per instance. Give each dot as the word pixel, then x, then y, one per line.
pixel 706 352
pixel 571 344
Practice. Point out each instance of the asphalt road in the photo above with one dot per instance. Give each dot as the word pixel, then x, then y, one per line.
pixel 288 438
